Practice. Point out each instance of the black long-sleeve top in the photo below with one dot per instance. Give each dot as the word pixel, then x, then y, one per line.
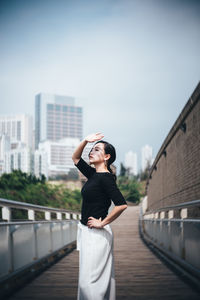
pixel 97 192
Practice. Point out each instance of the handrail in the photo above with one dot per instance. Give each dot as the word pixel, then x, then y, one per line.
pixel 27 222
pixel 18 204
pixel 176 206
pixel 175 220
pixel 7 205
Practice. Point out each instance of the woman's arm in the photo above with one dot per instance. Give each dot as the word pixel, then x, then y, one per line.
pixel 78 151
pixel 88 139
pixel 114 214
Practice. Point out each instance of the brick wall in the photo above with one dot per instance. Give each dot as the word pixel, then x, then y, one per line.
pixel 175 175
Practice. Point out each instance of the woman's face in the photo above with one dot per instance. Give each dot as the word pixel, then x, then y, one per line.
pixel 97 153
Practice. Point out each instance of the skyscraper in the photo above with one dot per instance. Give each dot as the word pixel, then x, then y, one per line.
pixel 147 156
pixel 56 117
pixel 131 162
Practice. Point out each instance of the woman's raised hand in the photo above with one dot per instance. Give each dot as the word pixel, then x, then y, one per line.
pixel 94 137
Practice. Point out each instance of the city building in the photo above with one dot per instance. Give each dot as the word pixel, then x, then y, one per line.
pixel 19 159
pixel 41 163
pixel 18 127
pixel 131 162
pixel 4 147
pixel 147 156
pixel 56 117
pixel 55 157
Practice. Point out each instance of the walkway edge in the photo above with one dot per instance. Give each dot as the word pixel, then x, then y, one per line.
pixel 175 266
pixel 11 284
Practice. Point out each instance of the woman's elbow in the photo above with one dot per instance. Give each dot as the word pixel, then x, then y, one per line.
pixel 123 207
pixel 75 159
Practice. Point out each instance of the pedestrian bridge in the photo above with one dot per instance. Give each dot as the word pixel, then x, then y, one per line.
pixel 156 244
pixel 154 257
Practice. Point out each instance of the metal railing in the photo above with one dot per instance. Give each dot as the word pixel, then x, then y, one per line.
pixel 175 233
pixel 8 205
pixel 25 243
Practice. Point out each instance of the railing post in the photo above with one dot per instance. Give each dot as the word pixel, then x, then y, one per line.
pixel 12 230
pixel 35 227
pixel 6 213
pixel 67 216
pixel 162 215
pixel 31 214
pixel 74 217
pixel 170 216
pixel 62 238
pixel 10 250
pixel 184 215
pixel 47 215
pixel 58 216
pixel 51 238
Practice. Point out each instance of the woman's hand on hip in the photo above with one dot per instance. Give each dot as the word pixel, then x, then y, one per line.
pixel 94 223
pixel 94 137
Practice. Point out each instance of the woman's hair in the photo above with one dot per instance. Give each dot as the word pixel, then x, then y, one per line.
pixel 109 149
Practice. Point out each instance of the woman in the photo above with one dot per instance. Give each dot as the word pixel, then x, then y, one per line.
pixel 94 235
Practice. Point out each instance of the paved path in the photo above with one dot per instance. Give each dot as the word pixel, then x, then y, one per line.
pixel 139 274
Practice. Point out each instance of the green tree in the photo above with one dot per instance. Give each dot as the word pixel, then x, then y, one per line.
pixel 122 170
pixel 130 188
pixel 27 188
pixel 145 174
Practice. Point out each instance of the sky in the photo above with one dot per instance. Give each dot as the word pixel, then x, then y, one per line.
pixel 131 65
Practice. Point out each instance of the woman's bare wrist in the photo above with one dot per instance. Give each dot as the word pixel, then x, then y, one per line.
pixel 103 223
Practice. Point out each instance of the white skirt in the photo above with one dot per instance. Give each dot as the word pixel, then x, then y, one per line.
pixel 96 263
